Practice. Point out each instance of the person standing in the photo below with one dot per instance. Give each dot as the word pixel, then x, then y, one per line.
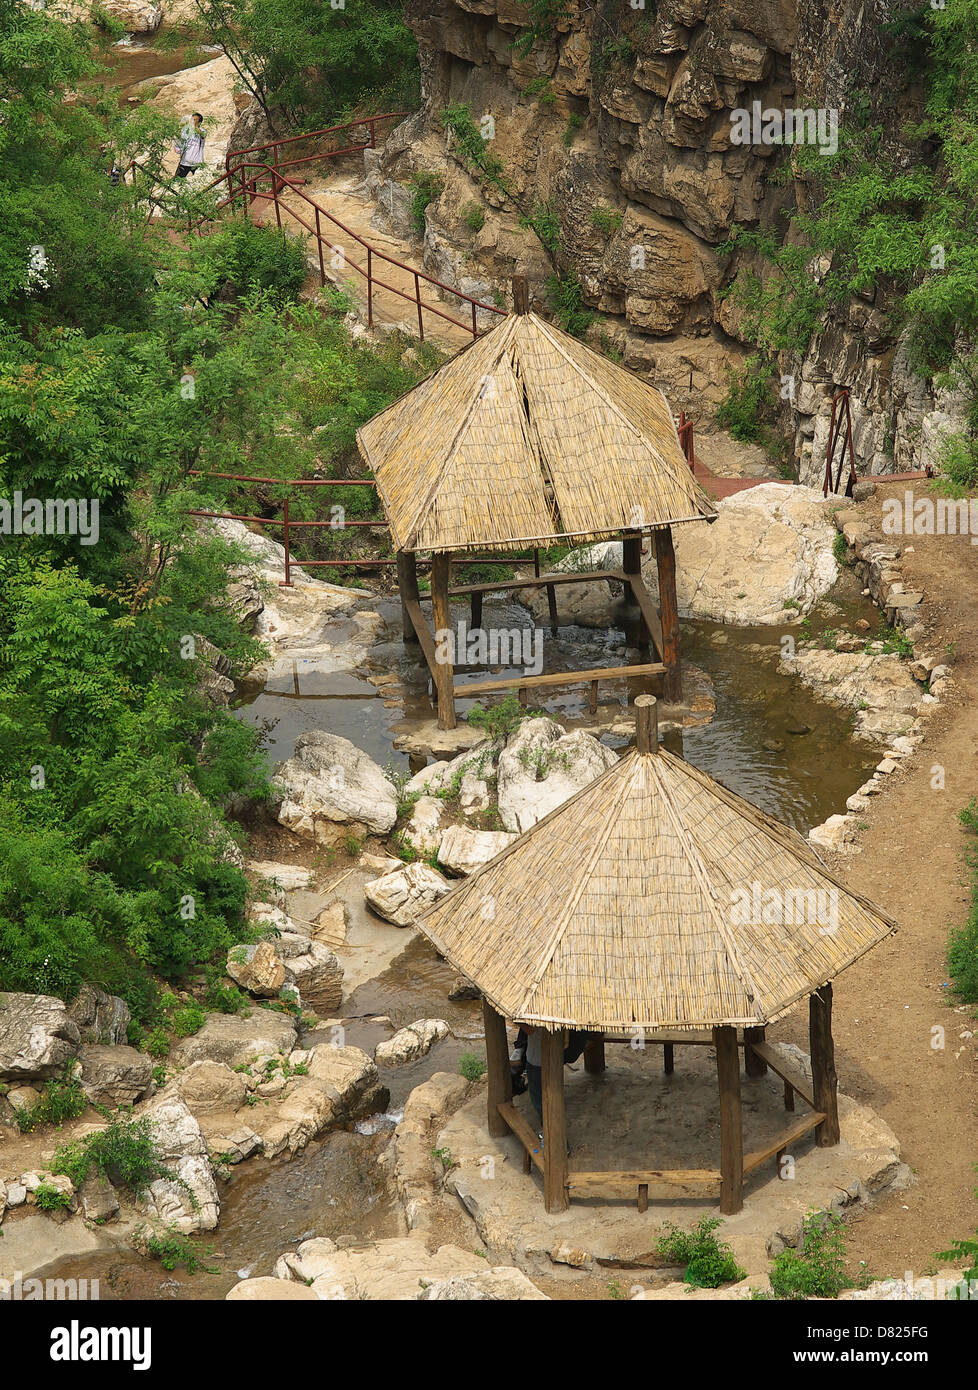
pixel 190 147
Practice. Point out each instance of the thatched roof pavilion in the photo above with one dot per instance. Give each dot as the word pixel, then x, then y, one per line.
pixel 527 438
pixel 656 902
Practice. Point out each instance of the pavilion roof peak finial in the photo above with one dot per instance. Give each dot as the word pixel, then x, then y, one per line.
pixel 521 294
pixel 647 724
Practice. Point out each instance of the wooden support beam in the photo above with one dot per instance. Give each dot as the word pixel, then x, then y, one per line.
pixel 623 1184
pixel 531 1144
pixel 790 1075
pixel 665 562
pixel 754 1063
pixel 407 587
pixel 731 1121
pixel 668 1058
pixel 604 673
pixel 777 1146
pixel 499 586
pixel 441 566
pixel 789 1096
pixel 594 1063
pixel 476 610
pixel 554 1123
pixel 498 1073
pixel 552 609
pixel 643 1196
pixel 651 618
pixel 637 633
pixel 825 1083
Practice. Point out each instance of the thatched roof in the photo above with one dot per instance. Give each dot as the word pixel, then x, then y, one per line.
pixel 618 911
pixel 528 435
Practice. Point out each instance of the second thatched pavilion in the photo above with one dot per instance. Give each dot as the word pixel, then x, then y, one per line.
pixel 529 438
pixel 656 904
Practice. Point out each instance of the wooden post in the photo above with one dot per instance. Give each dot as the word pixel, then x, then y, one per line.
pixel 636 632
pixel 476 620
pixel 665 563
pixel 521 294
pixel 441 614
pixel 753 1065
pixel 646 724
pixel 731 1121
pixel 555 1196
pixel 552 609
pixel 668 1058
pixel 825 1083
pixel 498 1073
pixel 407 587
pixel 594 1063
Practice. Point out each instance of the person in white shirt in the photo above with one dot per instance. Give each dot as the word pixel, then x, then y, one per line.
pixel 190 147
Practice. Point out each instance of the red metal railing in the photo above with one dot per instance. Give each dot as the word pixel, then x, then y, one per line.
pixel 685 432
pixel 288 524
pixel 368 122
pixel 840 429
pixel 248 190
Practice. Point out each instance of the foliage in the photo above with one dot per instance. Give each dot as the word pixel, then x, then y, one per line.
pixel 709 1262
pixel 746 403
pixel 545 15
pixel 173 1248
pixel 816 1271
pixel 962 949
pixel 566 298
pixel 471 1066
pixel 606 220
pixel 501 720
pixel 313 64
pixel 474 218
pixel 425 188
pixel 50 1198
pixel 125 1152
pixel 60 1100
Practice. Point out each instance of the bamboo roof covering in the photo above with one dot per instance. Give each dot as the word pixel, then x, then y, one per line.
pixel 525 436
pixel 615 911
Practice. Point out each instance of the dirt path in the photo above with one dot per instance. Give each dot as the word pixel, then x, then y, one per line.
pixel 887 1005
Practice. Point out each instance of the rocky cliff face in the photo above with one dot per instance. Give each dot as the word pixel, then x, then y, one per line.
pixel 628 112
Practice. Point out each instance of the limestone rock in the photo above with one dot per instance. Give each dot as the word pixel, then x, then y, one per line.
pixel 835 834
pixel 541 767
pixel 396 1269
pixel 341 1085
pixel 503 1283
pixel 114 1076
pixel 462 850
pixel 235 1039
pixel 183 1150
pixel 313 970
pixel 717 573
pixel 412 1042
pixel 97 1198
pixel 267 1290
pixel 208 1088
pixel 405 894
pixel 136 16
pixel 100 1017
pixel 37 1037
pixel 256 968
pixel 424 829
pixel 286 877
pixel 328 782
pixel 428 777
pixel 330 927
pixel 881 689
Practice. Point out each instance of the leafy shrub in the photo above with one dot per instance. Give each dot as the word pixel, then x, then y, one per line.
pixel 60 1100
pixel 425 188
pixel 125 1152
pixel 816 1271
pixel 173 1249
pixel 501 720
pixel 49 1198
pixel 565 296
pixel 606 220
pixel 747 401
pixel 709 1262
pixel 474 218
pixel 188 1019
pixel 242 256
pixel 471 1066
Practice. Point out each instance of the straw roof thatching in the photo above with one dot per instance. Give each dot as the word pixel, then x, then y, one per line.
pixel 528 435
pixel 620 910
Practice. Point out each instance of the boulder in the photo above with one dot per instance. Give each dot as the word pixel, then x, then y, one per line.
pixel 405 894
pixel 462 850
pixel 236 1039
pixel 541 767
pixel 880 688
pixel 97 1198
pixel 836 834
pixel 257 969
pixel 114 1076
pixel 770 544
pixel 189 1200
pixel 330 927
pixel 312 968
pixel 285 877
pixel 37 1037
pixel 208 1088
pixel 270 1290
pixel 341 1085
pixel 424 830
pixel 504 1283
pixel 100 1017
pixel 329 782
pixel 136 16
pixel 429 777
pixel 394 1269
pixel 410 1043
